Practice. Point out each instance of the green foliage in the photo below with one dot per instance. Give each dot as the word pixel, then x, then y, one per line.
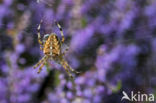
pixel 83 22
pixel 118 87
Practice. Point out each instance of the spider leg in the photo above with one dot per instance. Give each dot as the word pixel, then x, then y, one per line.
pixel 63 63
pixel 39 35
pixel 40 62
pixel 59 26
pixel 43 63
pixel 41 67
pixel 71 69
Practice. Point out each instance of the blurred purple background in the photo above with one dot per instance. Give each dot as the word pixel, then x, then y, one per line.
pixel 112 43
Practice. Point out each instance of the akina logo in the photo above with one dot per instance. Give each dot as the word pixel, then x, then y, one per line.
pixel 137 97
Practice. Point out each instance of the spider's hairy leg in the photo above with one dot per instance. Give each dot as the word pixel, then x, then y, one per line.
pixel 39 35
pixel 61 30
pixel 41 67
pixel 70 68
pixel 40 62
pixel 63 63
pixel 74 71
pixel 44 61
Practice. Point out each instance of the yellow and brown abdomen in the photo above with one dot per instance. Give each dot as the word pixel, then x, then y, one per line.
pixel 52 46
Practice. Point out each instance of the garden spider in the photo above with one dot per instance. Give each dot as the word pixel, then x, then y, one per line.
pixel 51 47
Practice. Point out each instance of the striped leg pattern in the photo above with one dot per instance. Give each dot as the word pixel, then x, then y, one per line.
pixel 61 30
pixel 64 64
pixel 40 62
pixel 39 35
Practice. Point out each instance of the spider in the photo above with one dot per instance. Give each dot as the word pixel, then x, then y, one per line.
pixel 51 47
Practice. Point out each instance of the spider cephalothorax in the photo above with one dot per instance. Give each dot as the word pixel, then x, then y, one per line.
pixel 51 47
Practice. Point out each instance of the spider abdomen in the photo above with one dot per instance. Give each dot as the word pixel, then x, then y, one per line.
pixel 52 46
